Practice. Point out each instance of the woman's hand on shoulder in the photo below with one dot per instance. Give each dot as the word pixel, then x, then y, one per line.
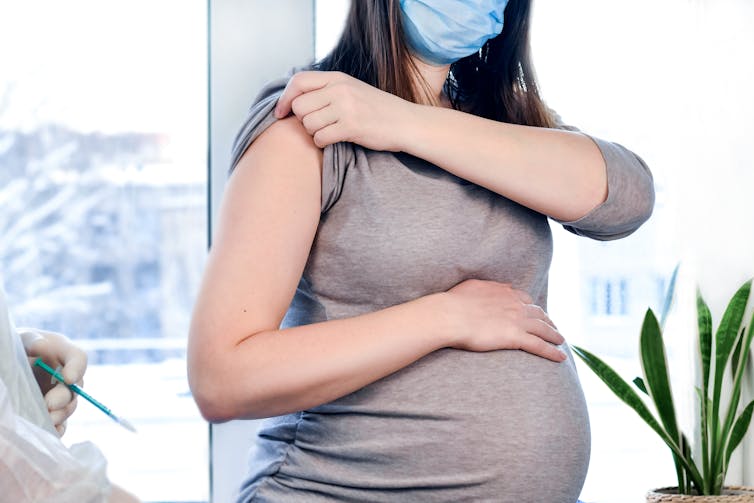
pixel 335 107
pixel 491 315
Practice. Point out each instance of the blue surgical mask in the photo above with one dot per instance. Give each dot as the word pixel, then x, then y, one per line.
pixel 441 32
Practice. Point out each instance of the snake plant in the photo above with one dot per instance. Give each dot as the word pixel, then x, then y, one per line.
pixel 722 429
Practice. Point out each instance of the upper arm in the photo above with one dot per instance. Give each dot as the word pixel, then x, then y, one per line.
pixel 267 222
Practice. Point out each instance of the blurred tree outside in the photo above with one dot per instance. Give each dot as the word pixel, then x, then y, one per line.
pixel 97 240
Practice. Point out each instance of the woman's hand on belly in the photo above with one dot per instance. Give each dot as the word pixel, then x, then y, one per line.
pixel 487 315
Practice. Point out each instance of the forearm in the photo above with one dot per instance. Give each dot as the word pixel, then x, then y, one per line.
pixel 558 173
pixel 280 371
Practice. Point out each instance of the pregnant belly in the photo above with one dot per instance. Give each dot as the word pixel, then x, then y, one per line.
pixel 457 423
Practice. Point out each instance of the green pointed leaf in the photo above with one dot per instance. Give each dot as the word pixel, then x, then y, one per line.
pixel 686 449
pixel 669 296
pixel 704 319
pixel 725 338
pixel 654 364
pixel 624 392
pixel 639 383
pixel 726 334
pixel 683 480
pixel 705 407
pixel 745 342
pixel 618 386
pixel 704 322
pixel 739 430
pixel 736 354
pixel 717 489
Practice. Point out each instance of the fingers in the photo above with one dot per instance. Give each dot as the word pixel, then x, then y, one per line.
pixel 536 312
pixel 541 335
pixel 309 103
pixel 300 83
pixel 58 397
pixel 539 347
pixel 315 113
pixel 29 336
pixel 74 362
pixel 543 330
pixel 327 136
pixel 57 350
pixel 35 344
pixel 60 416
pixel 318 120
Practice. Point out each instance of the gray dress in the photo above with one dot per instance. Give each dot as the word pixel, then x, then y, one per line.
pixel 503 426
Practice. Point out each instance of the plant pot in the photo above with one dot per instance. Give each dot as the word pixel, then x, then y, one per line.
pixel 731 494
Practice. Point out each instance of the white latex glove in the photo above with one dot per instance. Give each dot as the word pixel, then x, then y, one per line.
pixel 120 495
pixel 57 351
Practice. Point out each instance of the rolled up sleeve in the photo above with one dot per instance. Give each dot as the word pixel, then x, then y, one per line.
pixel 630 196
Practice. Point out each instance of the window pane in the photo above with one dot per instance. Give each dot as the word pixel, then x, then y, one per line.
pixel 103 187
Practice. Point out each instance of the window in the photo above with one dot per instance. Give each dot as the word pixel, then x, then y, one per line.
pixel 103 183
pixel 608 296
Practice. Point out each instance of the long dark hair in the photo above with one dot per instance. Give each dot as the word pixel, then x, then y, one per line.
pixel 497 83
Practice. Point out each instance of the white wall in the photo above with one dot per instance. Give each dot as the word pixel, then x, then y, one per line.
pixel 671 80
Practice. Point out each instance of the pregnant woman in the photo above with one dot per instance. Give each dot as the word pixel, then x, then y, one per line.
pixel 377 283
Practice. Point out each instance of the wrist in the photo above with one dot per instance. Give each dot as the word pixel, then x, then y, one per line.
pixel 444 323
pixel 408 127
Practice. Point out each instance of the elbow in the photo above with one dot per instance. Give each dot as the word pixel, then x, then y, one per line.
pixel 210 383
pixel 647 207
pixel 643 198
pixel 211 399
pixel 216 403
pixel 230 380
pixel 641 192
pixel 649 199
pixel 630 203
pixel 219 393
pixel 213 410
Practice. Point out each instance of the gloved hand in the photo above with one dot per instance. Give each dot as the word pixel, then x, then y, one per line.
pixel 57 351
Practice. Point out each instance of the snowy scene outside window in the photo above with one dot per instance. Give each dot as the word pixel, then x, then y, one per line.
pixel 103 185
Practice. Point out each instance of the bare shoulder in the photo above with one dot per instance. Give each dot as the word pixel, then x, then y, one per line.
pixel 285 144
pixel 279 174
